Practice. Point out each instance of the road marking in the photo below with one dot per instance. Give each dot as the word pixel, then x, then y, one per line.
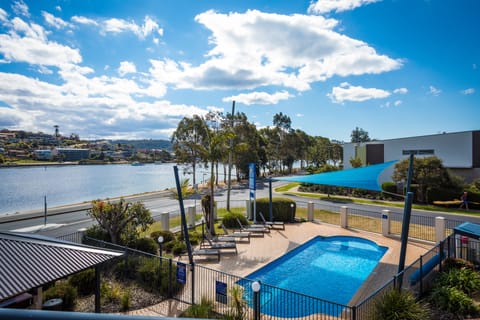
pixel 48 226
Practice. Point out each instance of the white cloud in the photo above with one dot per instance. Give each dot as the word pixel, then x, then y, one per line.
pixel 347 92
pixel 20 8
pixel 397 103
pixel 434 91
pixel 126 67
pixel 300 115
pixel 84 20
pixel 58 8
pixel 325 6
pixel 54 21
pixel 115 25
pixel 259 98
pixel 468 91
pixel 249 51
pixel 400 91
pixel 28 43
pixel 3 16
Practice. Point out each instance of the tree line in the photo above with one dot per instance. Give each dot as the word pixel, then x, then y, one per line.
pixel 216 137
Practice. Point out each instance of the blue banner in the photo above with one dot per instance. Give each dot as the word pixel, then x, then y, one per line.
pixel 181 272
pixel 252 176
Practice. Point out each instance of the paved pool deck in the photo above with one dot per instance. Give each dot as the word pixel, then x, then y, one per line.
pixel 262 250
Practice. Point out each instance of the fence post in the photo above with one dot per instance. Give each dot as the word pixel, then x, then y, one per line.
pixel 385 223
pixel 165 221
pixel 192 271
pixel 439 229
pixel 191 216
pixel 249 209
pixel 344 217
pixel 310 211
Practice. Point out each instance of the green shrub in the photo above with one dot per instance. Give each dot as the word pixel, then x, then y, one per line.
pixel 456 263
pixel 111 291
pixel 281 208
pixel 230 220
pixel 195 238
pixel 464 279
pixel 126 267
pixel 96 232
pixel 64 291
pixel 126 300
pixel 453 300
pixel 396 305
pixel 148 245
pixel 166 234
pixel 203 310
pixel 439 194
pixel 154 277
pixel 389 186
pixel 179 248
pixel 83 281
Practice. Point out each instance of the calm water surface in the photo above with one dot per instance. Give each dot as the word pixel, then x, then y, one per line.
pixel 24 189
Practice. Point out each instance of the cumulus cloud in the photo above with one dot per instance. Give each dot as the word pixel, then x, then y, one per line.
pixel 259 98
pixel 84 20
pixel 434 91
pixel 249 51
pixel 54 21
pixel 115 25
pixel 400 91
pixel 347 92
pixel 20 8
pixel 397 103
pixel 28 43
pixel 468 91
pixel 325 6
pixel 126 67
pixel 3 15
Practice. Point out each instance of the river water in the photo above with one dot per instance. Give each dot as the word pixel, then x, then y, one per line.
pixel 24 188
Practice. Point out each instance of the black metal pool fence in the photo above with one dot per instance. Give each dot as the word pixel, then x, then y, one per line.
pixel 270 302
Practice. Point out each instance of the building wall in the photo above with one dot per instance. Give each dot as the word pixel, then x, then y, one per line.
pixel 457 150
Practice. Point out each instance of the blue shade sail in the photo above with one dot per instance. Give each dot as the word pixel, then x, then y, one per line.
pixel 360 178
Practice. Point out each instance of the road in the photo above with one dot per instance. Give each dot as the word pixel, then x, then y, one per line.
pixel 69 219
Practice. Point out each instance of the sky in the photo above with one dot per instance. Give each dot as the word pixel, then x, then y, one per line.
pixel 130 69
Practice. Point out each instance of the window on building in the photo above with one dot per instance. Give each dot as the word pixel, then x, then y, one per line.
pixel 421 152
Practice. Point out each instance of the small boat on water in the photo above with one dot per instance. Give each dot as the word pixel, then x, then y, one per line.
pixel 136 163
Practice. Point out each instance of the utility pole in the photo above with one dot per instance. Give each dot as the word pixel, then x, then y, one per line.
pixel 229 182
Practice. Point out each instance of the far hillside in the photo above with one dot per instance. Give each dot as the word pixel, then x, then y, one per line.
pixel 148 144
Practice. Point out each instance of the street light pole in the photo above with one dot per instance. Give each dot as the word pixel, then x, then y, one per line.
pixel 229 182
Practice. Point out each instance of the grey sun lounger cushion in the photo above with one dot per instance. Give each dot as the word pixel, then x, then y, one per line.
pixel 236 234
pixel 273 224
pixel 207 252
pixel 221 245
pixel 259 231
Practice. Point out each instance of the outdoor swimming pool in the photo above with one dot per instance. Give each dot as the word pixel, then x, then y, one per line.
pixel 329 268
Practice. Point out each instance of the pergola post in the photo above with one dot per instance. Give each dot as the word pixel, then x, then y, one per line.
pixel 97 289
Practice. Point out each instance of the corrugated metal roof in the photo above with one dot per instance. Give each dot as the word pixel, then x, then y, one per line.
pixel 29 261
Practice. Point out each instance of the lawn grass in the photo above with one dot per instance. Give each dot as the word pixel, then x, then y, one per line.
pixel 344 199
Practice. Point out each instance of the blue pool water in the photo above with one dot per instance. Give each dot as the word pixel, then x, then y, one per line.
pixel 329 268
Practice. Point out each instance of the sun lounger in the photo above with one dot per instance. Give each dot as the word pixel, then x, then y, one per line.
pixel 236 234
pixel 255 230
pixel 207 252
pixel 208 235
pixel 219 245
pixel 273 224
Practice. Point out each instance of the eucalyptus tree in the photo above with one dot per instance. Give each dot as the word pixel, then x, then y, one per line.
pixel 359 135
pixel 246 142
pixel 212 151
pixel 187 140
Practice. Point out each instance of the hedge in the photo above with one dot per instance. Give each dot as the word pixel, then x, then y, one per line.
pixel 281 208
